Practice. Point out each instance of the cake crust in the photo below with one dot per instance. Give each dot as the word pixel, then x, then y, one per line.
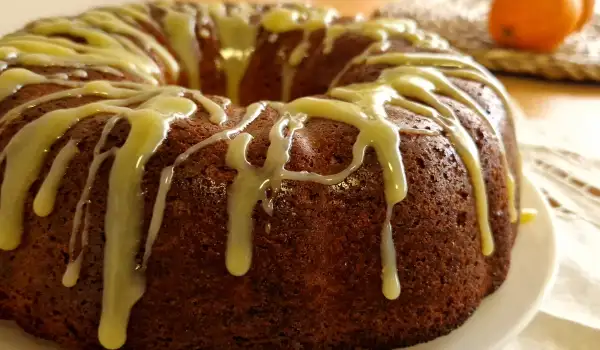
pixel 315 279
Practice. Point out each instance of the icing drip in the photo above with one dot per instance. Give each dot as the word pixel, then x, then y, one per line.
pixel 375 131
pixel 389 274
pixel 39 50
pixel 414 86
pixel 381 30
pixel 446 87
pixel 366 112
pixel 115 43
pixel 14 79
pixel 76 28
pixel 95 88
pixel 282 20
pixel 135 13
pixel 217 112
pixel 464 145
pixel 149 125
pixel 251 185
pixel 495 85
pixel 288 72
pixel 123 283
pixel 19 175
pixel 528 215
pixel 73 269
pixel 81 210
pixel 423 59
pixel 43 203
pixel 181 31
pixel 299 52
pixel 109 21
pixel 252 112
pixel 79 73
pixel 237 37
pixel 376 46
pixel 15 56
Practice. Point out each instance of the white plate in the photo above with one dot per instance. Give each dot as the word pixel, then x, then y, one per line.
pixel 500 317
pixel 504 314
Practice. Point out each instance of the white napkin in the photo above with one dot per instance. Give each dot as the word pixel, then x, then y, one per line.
pixel 553 333
pixel 570 316
pixel 568 171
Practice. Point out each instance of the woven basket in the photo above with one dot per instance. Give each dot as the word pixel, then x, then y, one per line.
pixel 464 24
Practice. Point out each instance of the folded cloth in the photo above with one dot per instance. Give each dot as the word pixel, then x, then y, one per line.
pixel 552 333
pixel 559 160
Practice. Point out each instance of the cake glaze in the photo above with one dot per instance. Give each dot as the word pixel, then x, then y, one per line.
pixel 108 67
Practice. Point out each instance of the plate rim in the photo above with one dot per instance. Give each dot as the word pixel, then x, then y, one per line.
pixel 520 321
pixel 550 279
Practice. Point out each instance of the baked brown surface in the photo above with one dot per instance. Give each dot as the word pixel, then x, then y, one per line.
pixel 315 281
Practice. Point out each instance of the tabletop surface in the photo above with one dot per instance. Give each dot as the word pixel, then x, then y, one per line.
pixel 552 101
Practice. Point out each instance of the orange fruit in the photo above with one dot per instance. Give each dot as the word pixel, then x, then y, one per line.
pixel 536 25
pixel 586 15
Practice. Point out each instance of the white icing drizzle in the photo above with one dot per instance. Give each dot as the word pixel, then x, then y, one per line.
pixel 108 20
pixel 82 208
pixel 216 111
pixel 374 47
pixel 251 185
pixel 367 113
pixel 124 284
pixel 73 269
pixel 115 44
pixel 445 86
pixel 135 13
pixel 43 203
pixel 501 92
pixel 528 215
pixel 381 30
pixel 237 37
pixel 14 79
pixel 284 20
pixel 389 273
pixel 52 56
pixel 38 50
pixel 181 31
pixel 95 88
pixel 252 112
pixel 464 145
pixel 19 175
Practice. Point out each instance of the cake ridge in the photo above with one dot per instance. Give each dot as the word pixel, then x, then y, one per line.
pixel 412 81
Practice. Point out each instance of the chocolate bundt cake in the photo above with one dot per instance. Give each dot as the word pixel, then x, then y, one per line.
pixel 356 188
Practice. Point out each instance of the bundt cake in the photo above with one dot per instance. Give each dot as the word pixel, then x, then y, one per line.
pixel 356 188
